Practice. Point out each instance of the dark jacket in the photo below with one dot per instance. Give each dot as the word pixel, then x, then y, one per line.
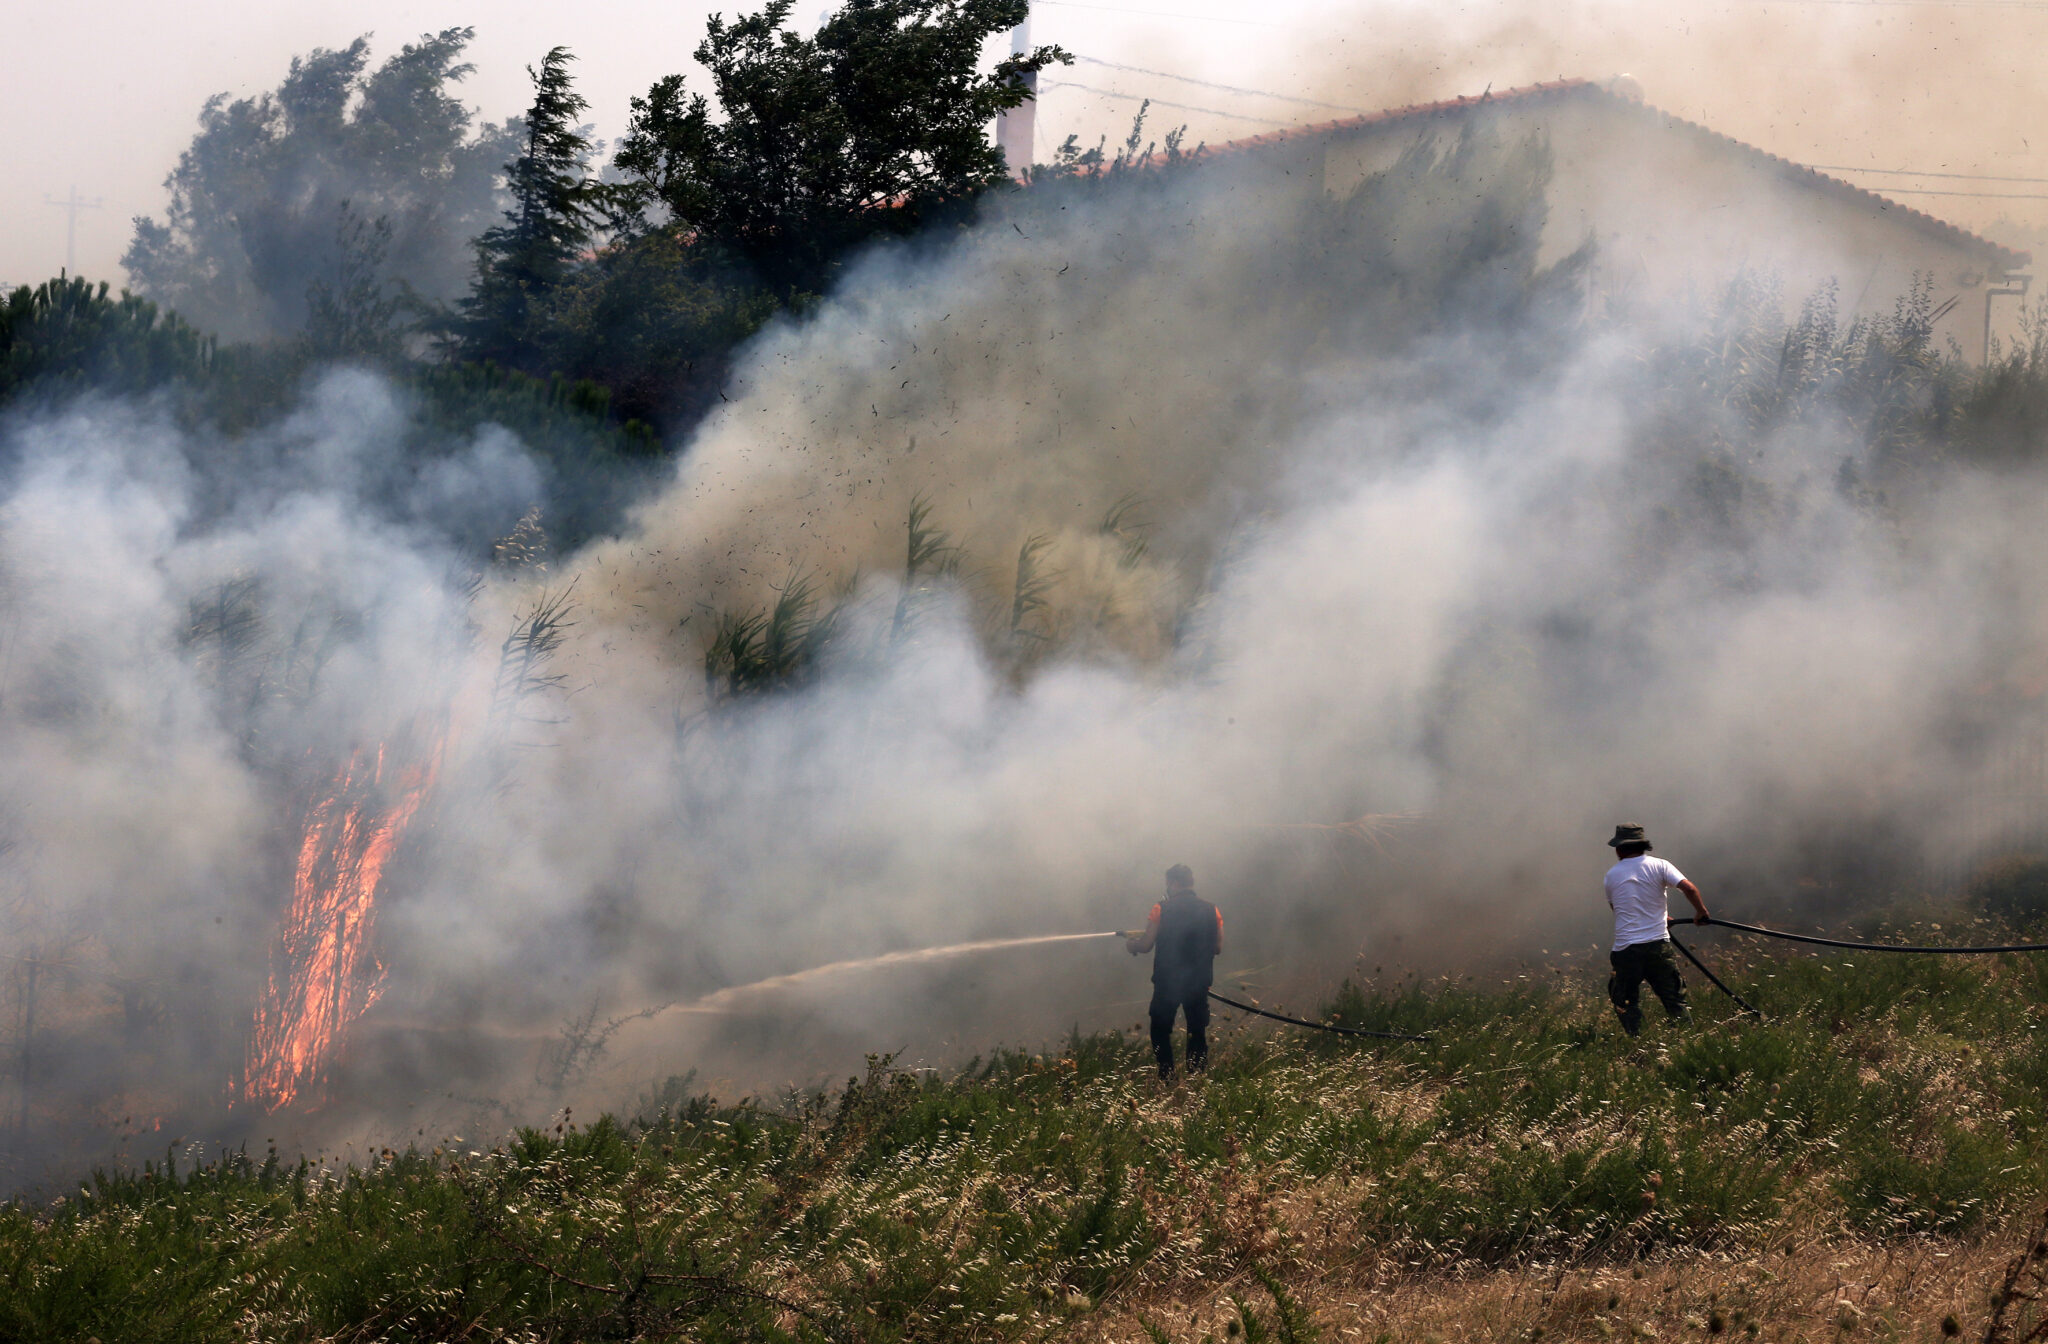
pixel 1184 955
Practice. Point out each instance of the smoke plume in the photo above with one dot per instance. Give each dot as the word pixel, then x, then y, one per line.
pixel 1132 527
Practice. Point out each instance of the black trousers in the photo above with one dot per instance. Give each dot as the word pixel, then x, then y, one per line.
pixel 1195 1004
pixel 1636 963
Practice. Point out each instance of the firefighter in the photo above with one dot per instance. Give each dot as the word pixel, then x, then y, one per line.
pixel 1185 935
pixel 1642 943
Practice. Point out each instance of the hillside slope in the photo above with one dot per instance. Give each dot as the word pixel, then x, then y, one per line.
pixel 1863 1162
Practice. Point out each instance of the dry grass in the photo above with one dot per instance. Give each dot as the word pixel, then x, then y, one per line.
pixel 1809 1289
pixel 1529 1170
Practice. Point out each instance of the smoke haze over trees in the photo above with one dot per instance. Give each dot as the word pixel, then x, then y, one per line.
pixel 359 213
pixel 1104 526
pixel 262 203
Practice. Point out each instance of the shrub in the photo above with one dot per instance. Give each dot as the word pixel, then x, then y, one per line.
pixel 2013 889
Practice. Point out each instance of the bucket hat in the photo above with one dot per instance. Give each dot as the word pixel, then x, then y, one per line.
pixel 1625 834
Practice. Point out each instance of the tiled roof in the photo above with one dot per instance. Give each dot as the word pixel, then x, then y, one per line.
pixel 2005 258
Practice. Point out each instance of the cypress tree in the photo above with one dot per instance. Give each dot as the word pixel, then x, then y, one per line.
pixel 555 213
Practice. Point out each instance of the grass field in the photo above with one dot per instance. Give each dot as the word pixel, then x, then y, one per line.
pixel 1863 1163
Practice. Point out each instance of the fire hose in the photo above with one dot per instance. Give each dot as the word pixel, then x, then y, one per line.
pixel 1760 931
pixel 1315 1026
pixel 1718 983
pixel 1256 1011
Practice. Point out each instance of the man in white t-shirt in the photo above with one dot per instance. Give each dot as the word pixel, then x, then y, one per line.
pixel 1642 943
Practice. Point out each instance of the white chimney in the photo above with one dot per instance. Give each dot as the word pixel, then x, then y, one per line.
pixel 1015 128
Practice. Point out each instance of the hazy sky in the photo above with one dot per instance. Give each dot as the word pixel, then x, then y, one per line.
pixel 102 94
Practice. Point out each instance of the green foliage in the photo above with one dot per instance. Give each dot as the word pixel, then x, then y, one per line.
pixel 1444 239
pixel 255 198
pixel 1125 523
pixel 67 335
pixel 1745 381
pixel 928 551
pixel 602 463
pixel 654 319
pixel 1071 165
pixel 1881 1101
pixel 776 649
pixel 555 212
pixel 345 206
pixel 563 417
pixel 1940 1184
pixel 352 313
pixel 1030 594
pixel 1292 1324
pixel 876 124
pixel 930 559
pixel 2013 890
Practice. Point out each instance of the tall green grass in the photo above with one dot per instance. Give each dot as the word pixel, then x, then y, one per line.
pixel 1883 1098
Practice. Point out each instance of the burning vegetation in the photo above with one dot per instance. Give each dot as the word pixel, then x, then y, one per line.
pixel 1347 544
pixel 1866 1164
pixel 324 968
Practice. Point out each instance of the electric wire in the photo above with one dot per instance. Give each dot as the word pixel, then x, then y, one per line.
pixel 1160 13
pixel 1225 88
pixel 1980 195
pixel 1161 102
pixel 1916 172
pixel 2022 5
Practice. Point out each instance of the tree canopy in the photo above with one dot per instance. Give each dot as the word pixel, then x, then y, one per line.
pixel 356 203
pixel 70 334
pixel 868 127
pixel 261 200
pixel 555 211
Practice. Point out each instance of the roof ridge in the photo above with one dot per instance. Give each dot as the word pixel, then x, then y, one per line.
pixel 2009 258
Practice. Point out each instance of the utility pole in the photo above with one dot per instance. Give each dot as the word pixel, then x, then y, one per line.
pixel 71 207
pixel 1016 128
pixel 28 1033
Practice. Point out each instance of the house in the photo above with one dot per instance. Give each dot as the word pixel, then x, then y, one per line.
pixel 1675 207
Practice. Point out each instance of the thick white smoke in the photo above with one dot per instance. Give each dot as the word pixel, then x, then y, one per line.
pixel 1306 556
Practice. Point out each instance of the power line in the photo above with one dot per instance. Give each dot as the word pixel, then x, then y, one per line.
pixel 1161 13
pixel 1161 102
pixel 1982 195
pixel 1914 172
pixel 1226 88
pixel 2023 5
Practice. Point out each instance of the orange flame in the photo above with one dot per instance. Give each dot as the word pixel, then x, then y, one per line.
pixel 324 971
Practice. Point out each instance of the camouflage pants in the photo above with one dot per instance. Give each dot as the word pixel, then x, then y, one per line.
pixel 1636 963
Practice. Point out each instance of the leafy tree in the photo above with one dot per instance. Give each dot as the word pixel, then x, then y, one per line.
pixel 1136 158
pixel 655 320
pixel 555 213
pixel 255 197
pixel 68 334
pixel 1445 237
pixel 875 125
pixel 352 313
